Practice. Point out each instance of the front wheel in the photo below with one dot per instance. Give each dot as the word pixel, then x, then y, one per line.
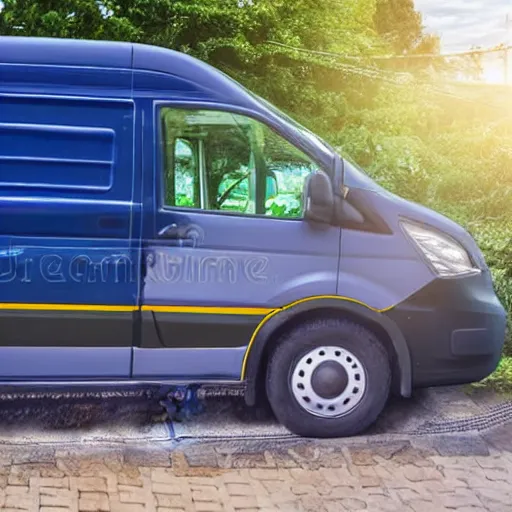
pixel 328 378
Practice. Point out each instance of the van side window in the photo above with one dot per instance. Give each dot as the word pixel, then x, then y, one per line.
pixel 221 161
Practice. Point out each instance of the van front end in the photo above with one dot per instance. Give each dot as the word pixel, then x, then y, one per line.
pixel 435 285
pixel 454 328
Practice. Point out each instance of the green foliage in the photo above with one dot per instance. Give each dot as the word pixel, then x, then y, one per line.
pixel 495 240
pixel 78 19
pixel 184 200
pixel 399 23
pixel 284 206
pixel 501 379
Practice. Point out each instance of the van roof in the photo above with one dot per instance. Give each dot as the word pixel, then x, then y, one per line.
pixel 88 53
pixel 118 55
pixel 65 52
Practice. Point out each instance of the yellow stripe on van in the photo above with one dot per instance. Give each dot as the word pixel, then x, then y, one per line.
pixel 213 310
pixel 209 310
pixel 65 307
pixel 221 310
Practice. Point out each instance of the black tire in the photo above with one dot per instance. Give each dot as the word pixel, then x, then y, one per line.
pixel 335 332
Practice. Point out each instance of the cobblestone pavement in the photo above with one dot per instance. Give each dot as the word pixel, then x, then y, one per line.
pixel 467 473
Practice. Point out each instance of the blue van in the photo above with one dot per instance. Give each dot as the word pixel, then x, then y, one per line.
pixel 159 223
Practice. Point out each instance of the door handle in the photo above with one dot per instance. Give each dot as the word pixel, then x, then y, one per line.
pixel 176 236
pixel 184 236
pixel 171 231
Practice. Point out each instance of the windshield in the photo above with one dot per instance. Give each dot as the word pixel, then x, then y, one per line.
pixel 279 113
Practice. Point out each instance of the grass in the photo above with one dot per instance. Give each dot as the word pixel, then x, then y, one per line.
pixel 501 379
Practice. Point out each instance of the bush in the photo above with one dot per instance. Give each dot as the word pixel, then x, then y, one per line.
pixel 495 240
pixel 501 379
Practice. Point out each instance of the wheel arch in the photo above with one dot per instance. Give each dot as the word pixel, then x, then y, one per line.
pixel 281 320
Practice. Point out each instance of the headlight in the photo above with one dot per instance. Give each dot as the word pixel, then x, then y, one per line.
pixel 446 256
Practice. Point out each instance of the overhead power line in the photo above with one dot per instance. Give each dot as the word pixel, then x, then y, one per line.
pixel 496 49
pixel 393 77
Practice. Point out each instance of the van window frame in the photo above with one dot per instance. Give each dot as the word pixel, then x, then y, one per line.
pixel 159 186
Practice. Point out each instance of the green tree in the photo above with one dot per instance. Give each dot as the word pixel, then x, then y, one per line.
pixel 401 25
pixel 78 19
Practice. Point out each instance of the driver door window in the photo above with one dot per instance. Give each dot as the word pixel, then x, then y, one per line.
pixel 227 162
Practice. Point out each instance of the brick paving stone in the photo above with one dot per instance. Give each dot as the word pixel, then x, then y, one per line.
pixel 419 505
pixel 20 475
pixel 497 474
pixel 53 497
pixel 345 492
pixel 370 481
pixel 128 494
pixel 91 483
pixel 54 482
pixel 300 489
pixel 459 498
pixel 272 487
pixel 268 474
pixel 205 494
pixel 419 474
pixel 497 507
pixel 16 490
pixel 169 500
pixel 240 490
pixel 504 497
pixel 244 502
pixel 208 507
pixel 93 502
pixel 116 506
pixel 164 488
pixel 362 457
pixel 353 504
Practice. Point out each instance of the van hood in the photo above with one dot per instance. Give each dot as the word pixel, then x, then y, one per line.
pixel 397 207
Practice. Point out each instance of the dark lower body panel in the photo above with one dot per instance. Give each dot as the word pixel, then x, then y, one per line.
pixel 54 344
pixel 455 330
pixel 193 346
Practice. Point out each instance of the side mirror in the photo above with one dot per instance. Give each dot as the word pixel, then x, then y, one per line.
pixel 318 197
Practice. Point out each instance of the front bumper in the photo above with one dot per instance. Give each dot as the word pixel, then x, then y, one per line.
pixel 455 330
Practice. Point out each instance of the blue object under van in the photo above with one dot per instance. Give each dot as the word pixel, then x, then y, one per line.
pixel 160 223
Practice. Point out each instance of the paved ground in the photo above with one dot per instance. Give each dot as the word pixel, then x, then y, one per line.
pixel 469 473
pixel 390 469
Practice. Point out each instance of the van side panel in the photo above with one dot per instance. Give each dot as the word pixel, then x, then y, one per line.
pixel 69 268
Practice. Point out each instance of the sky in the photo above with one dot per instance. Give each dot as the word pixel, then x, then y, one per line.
pixel 463 24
